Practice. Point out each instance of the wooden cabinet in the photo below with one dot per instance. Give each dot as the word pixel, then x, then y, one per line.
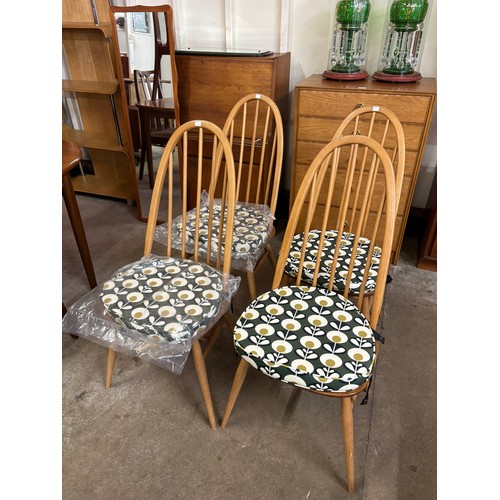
pixel 427 251
pixel 88 48
pixel 210 85
pixel 320 105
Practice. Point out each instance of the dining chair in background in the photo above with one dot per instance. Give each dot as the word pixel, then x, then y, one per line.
pixel 381 124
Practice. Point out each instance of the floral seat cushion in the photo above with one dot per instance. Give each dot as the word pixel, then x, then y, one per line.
pixel 326 257
pixel 307 336
pixel 252 228
pixel 166 298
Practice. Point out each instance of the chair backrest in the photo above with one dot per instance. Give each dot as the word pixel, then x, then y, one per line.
pixel 221 172
pixel 358 171
pixel 381 124
pixel 255 130
pixel 147 85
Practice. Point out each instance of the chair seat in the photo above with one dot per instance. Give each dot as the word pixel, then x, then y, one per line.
pixel 166 298
pixel 343 261
pixel 252 229
pixel 307 336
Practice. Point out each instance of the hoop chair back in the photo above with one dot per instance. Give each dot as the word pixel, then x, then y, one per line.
pixel 254 128
pixel 347 169
pixel 381 124
pixel 221 172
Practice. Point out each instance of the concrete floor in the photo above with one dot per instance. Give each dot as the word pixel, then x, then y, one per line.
pixel 147 437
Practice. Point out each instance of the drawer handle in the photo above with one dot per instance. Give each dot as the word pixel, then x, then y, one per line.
pixel 359 105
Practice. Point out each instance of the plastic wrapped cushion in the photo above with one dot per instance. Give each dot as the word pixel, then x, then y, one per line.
pixel 153 308
pixel 253 224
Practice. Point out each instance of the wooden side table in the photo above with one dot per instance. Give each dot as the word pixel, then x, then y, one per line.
pixel 71 155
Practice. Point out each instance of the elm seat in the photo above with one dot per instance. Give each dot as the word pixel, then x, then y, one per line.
pixel 307 336
pixel 165 298
pixel 253 225
pixel 327 257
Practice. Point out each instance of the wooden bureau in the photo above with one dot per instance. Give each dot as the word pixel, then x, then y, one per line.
pixel 320 105
pixel 210 85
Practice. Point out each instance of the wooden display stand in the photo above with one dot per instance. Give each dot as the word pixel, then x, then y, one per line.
pixel 88 47
pixel 320 106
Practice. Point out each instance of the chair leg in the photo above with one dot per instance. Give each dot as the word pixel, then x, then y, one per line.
pixel 271 257
pixel 201 371
pixel 141 166
pixel 252 289
pixel 239 378
pixel 229 320
pixel 211 340
pixel 111 365
pixel 348 433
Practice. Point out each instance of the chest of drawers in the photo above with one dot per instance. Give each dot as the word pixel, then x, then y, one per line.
pixel 320 106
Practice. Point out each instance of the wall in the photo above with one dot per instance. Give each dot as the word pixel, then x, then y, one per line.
pixel 303 27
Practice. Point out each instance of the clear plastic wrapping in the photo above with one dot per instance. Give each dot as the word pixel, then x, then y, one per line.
pixel 253 224
pixel 154 308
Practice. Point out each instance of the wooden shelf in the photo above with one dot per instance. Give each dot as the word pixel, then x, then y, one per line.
pixel 90 87
pixel 104 27
pixel 105 187
pixel 93 140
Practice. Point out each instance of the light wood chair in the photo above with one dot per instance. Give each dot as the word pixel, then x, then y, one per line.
pixel 312 336
pixel 187 282
pixel 381 124
pixel 254 128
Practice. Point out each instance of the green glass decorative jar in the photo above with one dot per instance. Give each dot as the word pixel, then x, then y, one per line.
pixel 403 42
pixel 347 59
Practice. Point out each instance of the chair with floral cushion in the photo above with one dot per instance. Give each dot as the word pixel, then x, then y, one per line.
pixel 254 128
pixel 313 336
pixel 162 306
pixel 383 125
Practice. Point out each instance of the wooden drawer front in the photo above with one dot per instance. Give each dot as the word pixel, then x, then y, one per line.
pixel 205 95
pixel 323 129
pixel 318 219
pixel 405 189
pixel 305 153
pixel 409 109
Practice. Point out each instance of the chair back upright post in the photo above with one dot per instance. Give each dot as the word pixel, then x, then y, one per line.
pixel 342 165
pixel 254 128
pixel 221 172
pixel 147 85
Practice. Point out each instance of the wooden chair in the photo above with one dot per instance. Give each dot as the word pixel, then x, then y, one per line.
pixel 156 116
pixel 254 128
pixel 381 124
pixel 170 301
pixel 312 336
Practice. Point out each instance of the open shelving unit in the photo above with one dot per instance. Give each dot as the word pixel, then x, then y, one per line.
pixel 93 81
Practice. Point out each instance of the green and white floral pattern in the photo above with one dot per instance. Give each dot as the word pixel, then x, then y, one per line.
pixel 253 224
pixel 167 298
pixel 307 336
pixel 343 261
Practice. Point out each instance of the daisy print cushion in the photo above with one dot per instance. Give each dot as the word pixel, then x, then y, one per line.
pixel 165 298
pixel 343 261
pixel 307 336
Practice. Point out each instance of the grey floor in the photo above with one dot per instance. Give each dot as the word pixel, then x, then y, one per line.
pixel 147 437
